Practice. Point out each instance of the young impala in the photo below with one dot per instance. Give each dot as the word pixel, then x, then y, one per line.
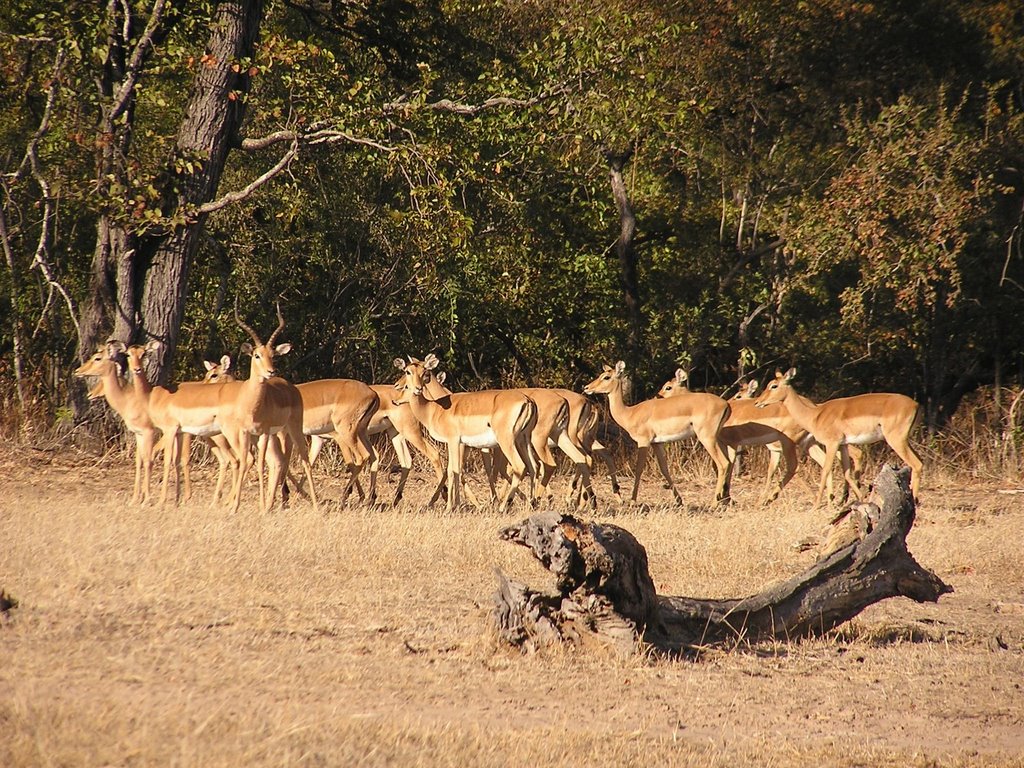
pixel 652 423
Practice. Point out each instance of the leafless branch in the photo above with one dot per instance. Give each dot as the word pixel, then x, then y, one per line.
pixel 41 260
pixel 124 93
pixel 313 136
pixel 471 110
pixel 244 192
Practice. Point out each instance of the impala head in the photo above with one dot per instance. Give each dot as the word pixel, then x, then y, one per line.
pixel 136 356
pixel 263 354
pixel 746 393
pixel 218 373
pixel 419 374
pixel 105 359
pixel 607 381
pixel 99 388
pixel 674 386
pixel 778 389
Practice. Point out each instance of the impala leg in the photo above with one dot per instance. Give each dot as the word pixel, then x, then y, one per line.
pixel 852 481
pixel 901 445
pixel 277 462
pixel 404 461
pixel 606 456
pixel 146 450
pixel 456 452
pixel 491 468
pixel 427 449
pixel 262 442
pixel 828 458
pixel 186 468
pixel 298 441
pixel 638 468
pixel 222 451
pixel 581 475
pixel 718 451
pixel 662 457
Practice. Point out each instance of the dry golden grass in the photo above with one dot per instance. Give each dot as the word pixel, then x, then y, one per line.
pixel 194 637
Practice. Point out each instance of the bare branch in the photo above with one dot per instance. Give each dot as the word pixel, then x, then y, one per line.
pixel 246 191
pixel 472 110
pixel 41 260
pixel 123 96
pixel 315 135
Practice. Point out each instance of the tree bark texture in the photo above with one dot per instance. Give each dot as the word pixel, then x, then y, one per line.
pixel 140 278
pixel 605 595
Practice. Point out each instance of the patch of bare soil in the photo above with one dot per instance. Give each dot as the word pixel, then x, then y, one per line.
pixel 192 636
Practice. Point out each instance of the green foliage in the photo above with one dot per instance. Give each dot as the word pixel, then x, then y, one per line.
pixel 838 180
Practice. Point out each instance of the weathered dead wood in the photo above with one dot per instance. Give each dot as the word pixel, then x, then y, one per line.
pixel 605 593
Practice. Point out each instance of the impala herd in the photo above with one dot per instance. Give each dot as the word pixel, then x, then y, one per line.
pixel 516 429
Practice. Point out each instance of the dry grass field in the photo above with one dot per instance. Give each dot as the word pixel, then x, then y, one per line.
pixel 193 637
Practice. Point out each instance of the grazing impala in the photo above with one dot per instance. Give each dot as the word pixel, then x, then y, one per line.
pixel 502 419
pixel 129 405
pixel 857 420
pixel 262 406
pixel 652 423
pixel 749 425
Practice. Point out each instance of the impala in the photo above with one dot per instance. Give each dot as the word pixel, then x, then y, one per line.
pixel 342 409
pixel 857 420
pixel 190 408
pixel 502 419
pixel 262 406
pixel 216 373
pixel 805 443
pixel 129 405
pixel 554 419
pixel 749 425
pixel 652 423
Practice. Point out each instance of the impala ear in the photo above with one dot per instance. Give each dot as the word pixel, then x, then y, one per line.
pixel 752 387
pixel 282 349
pixel 790 374
pixel 431 362
pixel 225 363
pixel 115 347
pixel 246 348
pixel 153 346
pixel 681 376
pixel 440 377
pixel 208 365
pixel 620 367
pixel 399 363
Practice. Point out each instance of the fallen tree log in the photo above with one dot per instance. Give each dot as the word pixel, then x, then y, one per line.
pixel 604 592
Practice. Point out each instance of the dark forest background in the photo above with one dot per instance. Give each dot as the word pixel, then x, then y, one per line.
pixel 528 189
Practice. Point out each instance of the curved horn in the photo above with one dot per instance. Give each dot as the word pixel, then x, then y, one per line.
pixel 280 326
pixel 245 327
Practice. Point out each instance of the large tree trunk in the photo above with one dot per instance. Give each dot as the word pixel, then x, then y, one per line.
pixel 605 593
pixel 140 279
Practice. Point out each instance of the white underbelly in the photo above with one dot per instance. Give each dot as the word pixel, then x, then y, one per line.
pixel 206 430
pixel 317 429
pixel 671 438
pixel 864 438
pixel 485 439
